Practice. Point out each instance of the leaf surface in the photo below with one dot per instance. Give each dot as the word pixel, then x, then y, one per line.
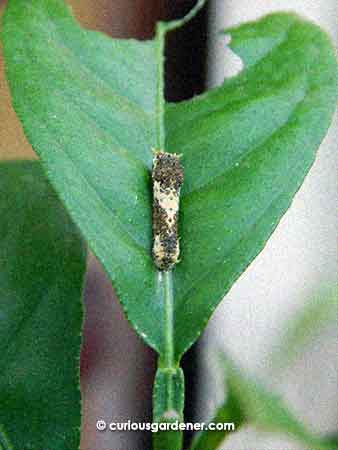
pixel 42 266
pixel 88 107
pixel 92 108
pixel 247 147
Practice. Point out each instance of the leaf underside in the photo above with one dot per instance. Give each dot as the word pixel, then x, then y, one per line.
pixel 89 107
pixel 42 265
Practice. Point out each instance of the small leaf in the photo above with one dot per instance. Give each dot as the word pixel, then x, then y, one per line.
pixel 92 108
pixel 229 412
pixel 249 402
pixel 318 312
pixel 267 411
pixel 42 265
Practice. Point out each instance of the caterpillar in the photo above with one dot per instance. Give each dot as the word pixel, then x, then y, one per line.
pixel 167 176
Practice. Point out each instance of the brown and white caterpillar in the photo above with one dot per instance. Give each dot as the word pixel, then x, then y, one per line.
pixel 167 181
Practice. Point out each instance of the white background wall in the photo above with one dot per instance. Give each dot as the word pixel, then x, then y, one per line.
pixel 300 256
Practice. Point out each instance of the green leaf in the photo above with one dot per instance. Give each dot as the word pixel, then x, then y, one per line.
pixel 4 442
pixel 318 312
pixel 88 106
pixel 229 413
pixel 247 147
pixel 42 265
pixel 92 108
pixel 250 402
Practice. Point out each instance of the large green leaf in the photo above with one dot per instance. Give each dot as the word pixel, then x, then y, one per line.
pixel 92 108
pixel 42 264
pixel 88 106
pixel 247 147
pixel 249 402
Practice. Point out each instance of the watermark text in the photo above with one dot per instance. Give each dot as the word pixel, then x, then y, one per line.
pixel 155 427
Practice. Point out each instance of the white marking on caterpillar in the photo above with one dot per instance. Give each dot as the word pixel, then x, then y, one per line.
pixel 167 181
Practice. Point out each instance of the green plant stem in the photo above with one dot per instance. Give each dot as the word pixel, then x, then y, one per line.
pixel 169 362
pixel 168 396
pixel 160 101
pixel 165 280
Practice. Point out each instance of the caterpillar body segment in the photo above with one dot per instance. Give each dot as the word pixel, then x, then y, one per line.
pixel 167 181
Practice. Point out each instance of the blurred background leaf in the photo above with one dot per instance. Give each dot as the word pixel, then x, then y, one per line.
pixel 248 401
pixel 318 313
pixel 42 266
pixel 229 412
